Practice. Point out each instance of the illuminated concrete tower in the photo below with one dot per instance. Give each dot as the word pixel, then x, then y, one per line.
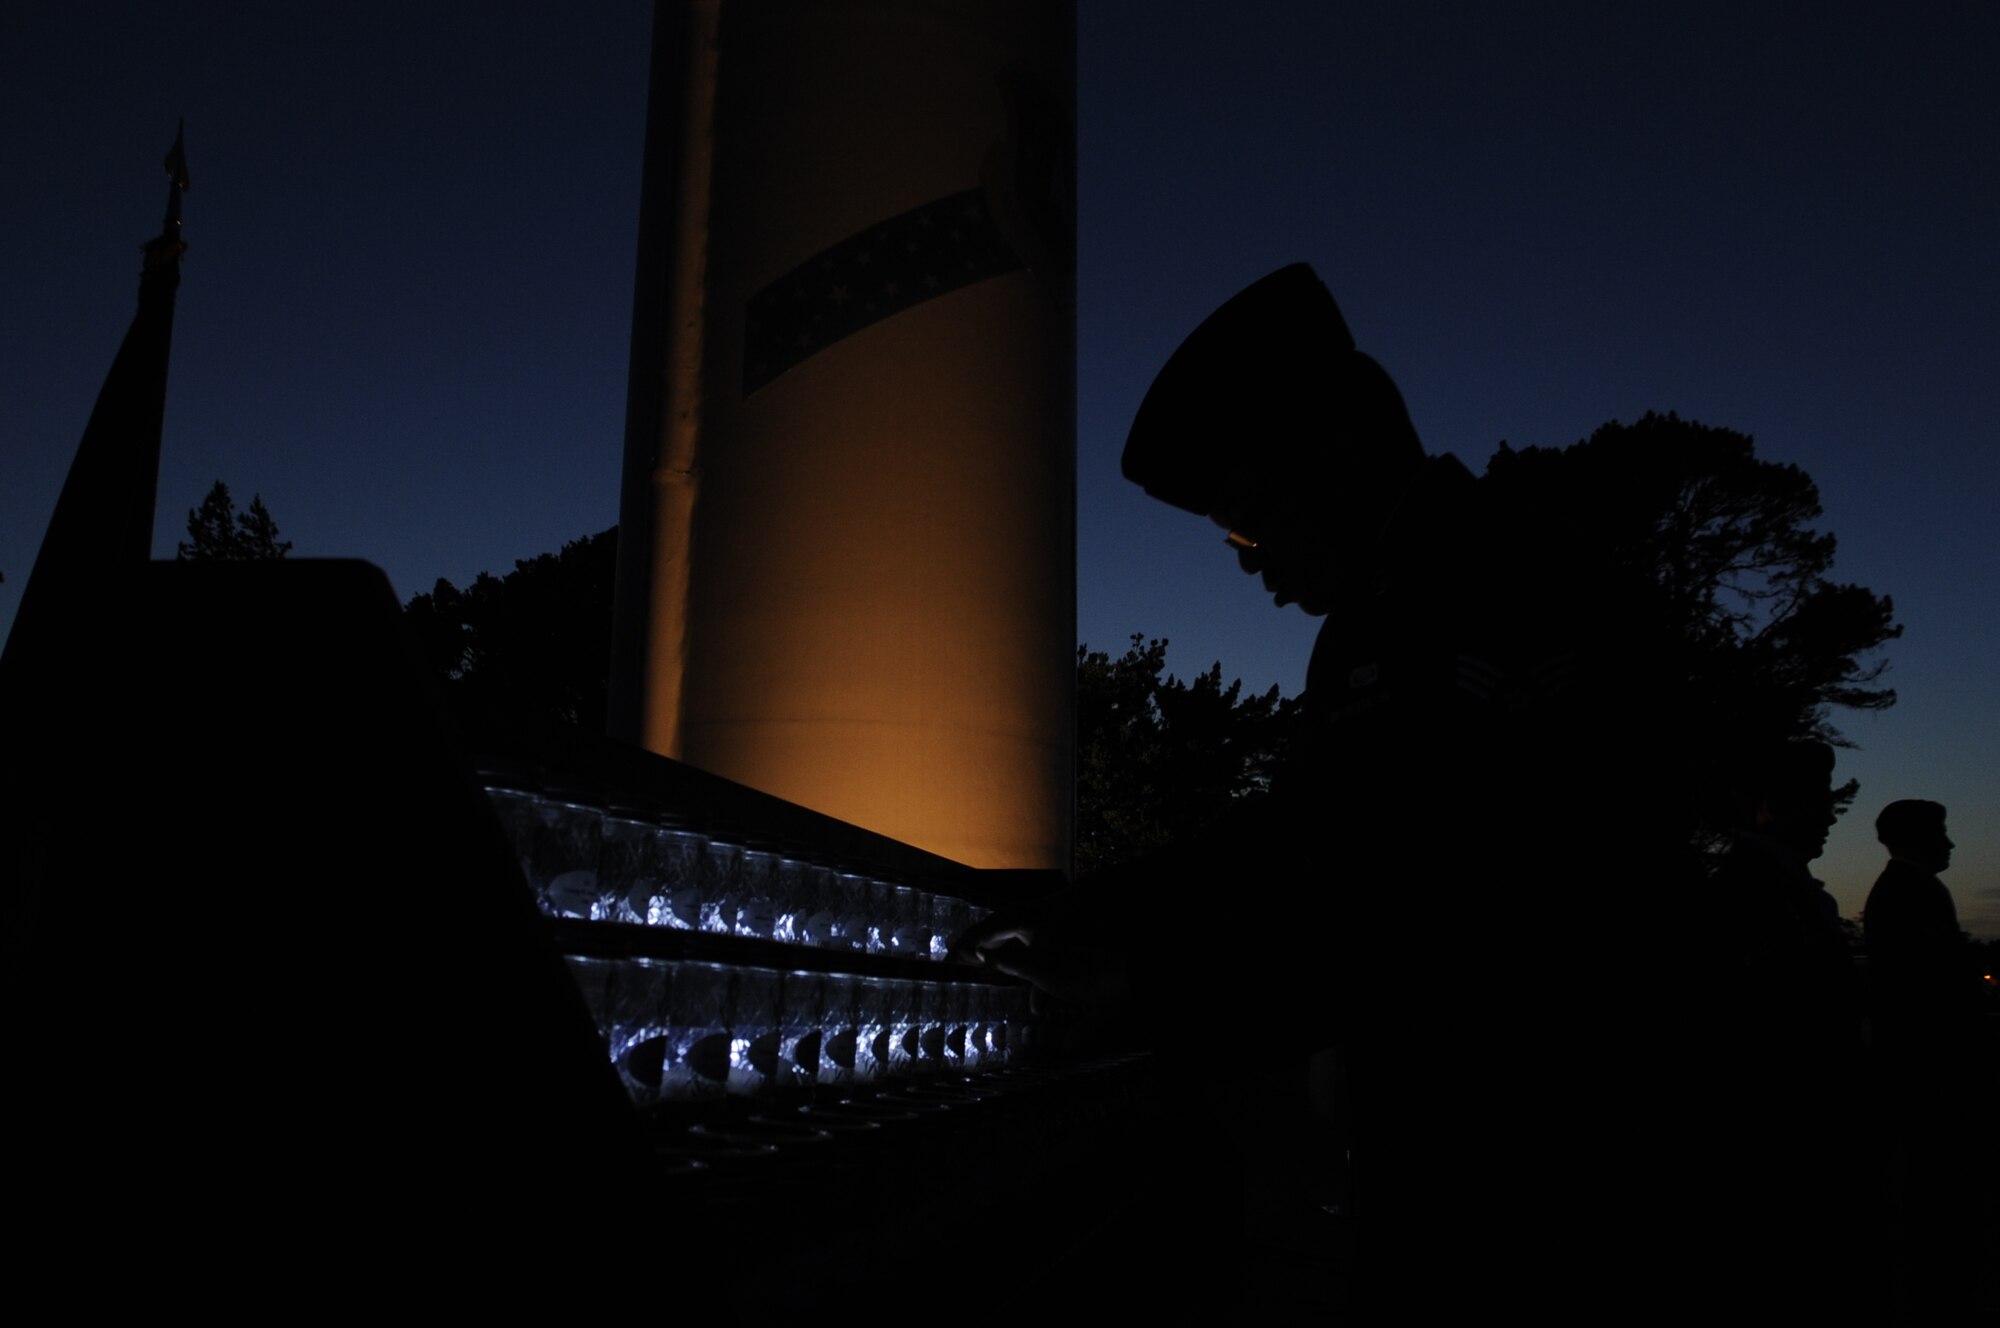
pixel 847 532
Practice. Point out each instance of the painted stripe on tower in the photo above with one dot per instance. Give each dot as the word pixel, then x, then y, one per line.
pixel 892 266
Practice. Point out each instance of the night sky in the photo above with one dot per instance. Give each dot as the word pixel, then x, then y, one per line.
pixel 407 295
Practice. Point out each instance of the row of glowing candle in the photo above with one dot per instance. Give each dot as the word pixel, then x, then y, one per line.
pixel 628 865
pixel 682 1030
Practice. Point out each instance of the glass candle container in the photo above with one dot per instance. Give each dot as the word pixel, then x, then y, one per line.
pixel 840 1029
pixel 873 1031
pixel 801 1010
pixel 563 858
pixel 721 884
pixel 699 1040
pixel 628 866
pixel 679 903
pixel 756 1041
pixel 818 907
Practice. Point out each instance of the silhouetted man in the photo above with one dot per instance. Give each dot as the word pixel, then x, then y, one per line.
pixel 1935 1064
pixel 1769 923
pixel 1460 881
pixel 1777 996
pixel 1918 965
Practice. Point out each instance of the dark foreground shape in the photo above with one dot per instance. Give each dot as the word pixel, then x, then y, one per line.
pixel 264 956
pixel 281 1011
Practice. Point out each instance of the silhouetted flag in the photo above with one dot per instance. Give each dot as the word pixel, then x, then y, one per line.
pixel 177 162
pixel 103 522
pixel 890 267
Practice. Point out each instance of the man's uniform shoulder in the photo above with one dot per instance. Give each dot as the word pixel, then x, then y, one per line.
pixel 1465 621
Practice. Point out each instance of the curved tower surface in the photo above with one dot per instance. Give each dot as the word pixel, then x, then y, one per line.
pixel 847 548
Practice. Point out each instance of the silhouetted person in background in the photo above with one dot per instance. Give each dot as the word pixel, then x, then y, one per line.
pixel 1934 1056
pixel 1769 923
pixel 1920 970
pixel 1777 995
pixel 1461 881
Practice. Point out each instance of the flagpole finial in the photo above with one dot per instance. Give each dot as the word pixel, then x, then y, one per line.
pixel 168 248
pixel 177 179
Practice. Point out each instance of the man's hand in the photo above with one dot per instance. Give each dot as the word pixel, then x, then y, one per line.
pixel 1061 945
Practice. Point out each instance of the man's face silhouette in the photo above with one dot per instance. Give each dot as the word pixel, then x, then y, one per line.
pixel 1931 851
pixel 1802 817
pixel 1284 546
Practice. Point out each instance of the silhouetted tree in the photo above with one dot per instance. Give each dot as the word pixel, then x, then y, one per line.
pixel 531 647
pixel 218 533
pixel 1158 758
pixel 1723 545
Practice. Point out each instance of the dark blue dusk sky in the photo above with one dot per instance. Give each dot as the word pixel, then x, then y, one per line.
pixel 408 289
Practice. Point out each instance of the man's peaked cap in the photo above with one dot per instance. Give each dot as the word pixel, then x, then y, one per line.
pixel 1270 390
